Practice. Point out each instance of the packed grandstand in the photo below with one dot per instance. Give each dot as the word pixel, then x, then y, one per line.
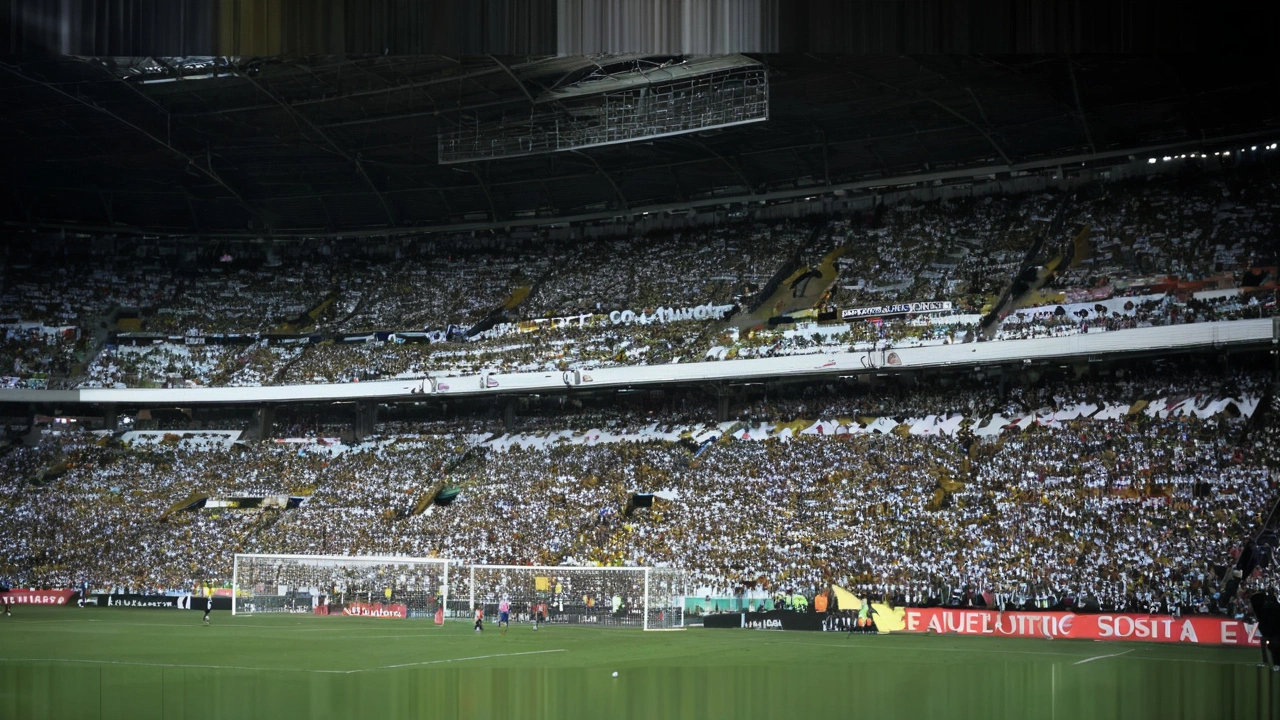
pixel 1073 486
pixel 1135 491
pixel 1148 253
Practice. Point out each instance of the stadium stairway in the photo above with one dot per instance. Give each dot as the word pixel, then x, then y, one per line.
pixel 444 472
pixel 278 378
pixel 759 306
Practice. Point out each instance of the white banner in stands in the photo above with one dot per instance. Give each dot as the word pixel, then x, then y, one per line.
pixel 666 315
pixel 16 329
pixel 499 330
pixel 899 309
pixel 556 322
pixel 617 317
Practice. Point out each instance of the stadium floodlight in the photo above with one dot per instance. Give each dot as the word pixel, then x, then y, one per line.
pixel 642 103
pixel 651 598
pixel 340 584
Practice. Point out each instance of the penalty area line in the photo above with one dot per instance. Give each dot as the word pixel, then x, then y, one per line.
pixel 275 669
pixel 132 663
pixel 996 651
pixel 1103 657
pixel 450 660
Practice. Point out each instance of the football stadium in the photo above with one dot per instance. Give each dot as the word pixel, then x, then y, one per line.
pixel 688 371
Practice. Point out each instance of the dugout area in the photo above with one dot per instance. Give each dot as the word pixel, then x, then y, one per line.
pixel 62 662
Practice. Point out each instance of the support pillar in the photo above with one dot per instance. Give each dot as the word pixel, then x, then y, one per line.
pixel 1275 352
pixel 110 417
pixel 266 422
pixel 509 415
pixel 723 407
pixel 366 419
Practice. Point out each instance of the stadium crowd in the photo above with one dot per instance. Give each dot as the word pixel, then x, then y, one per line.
pixel 1160 252
pixel 1135 509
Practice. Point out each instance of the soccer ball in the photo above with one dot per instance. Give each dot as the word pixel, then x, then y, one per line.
pixel 615 673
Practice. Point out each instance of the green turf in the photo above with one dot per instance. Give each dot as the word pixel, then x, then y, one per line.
pixel 137 664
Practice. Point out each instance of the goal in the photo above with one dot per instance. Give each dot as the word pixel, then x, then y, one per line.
pixel 339 585
pixel 651 598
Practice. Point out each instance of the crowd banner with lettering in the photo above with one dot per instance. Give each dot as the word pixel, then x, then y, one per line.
pixel 578 321
pixel 377 610
pixel 496 331
pixel 326 441
pixel 915 308
pixel 427 336
pixel 136 339
pixel 281 339
pixel 19 596
pixel 1198 629
pixel 176 602
pixel 660 316
pixel 66 332
pixel 666 315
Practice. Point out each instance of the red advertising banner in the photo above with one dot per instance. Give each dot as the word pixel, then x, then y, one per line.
pixel 376 610
pixel 18 596
pixel 320 610
pixel 1199 629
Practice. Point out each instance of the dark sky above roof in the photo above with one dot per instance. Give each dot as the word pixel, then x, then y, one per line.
pixel 339 144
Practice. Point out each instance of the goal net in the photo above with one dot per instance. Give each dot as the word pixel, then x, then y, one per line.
pixel 370 586
pixel 648 598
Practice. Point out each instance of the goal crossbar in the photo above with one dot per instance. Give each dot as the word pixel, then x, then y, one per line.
pixel 556 567
pixel 390 559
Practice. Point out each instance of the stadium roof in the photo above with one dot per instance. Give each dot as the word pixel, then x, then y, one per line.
pixel 325 145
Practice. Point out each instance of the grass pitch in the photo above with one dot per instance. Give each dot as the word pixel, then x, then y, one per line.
pixel 138 664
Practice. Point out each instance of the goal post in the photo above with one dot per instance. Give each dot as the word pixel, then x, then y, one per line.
pixel 649 598
pixel 339 584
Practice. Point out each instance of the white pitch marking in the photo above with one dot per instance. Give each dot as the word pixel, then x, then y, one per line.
pixel 476 657
pixel 921 648
pixel 1053 684
pixel 168 665
pixel 1101 657
pixel 262 669
pixel 74 626
pixel 1194 660
pixel 1009 652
